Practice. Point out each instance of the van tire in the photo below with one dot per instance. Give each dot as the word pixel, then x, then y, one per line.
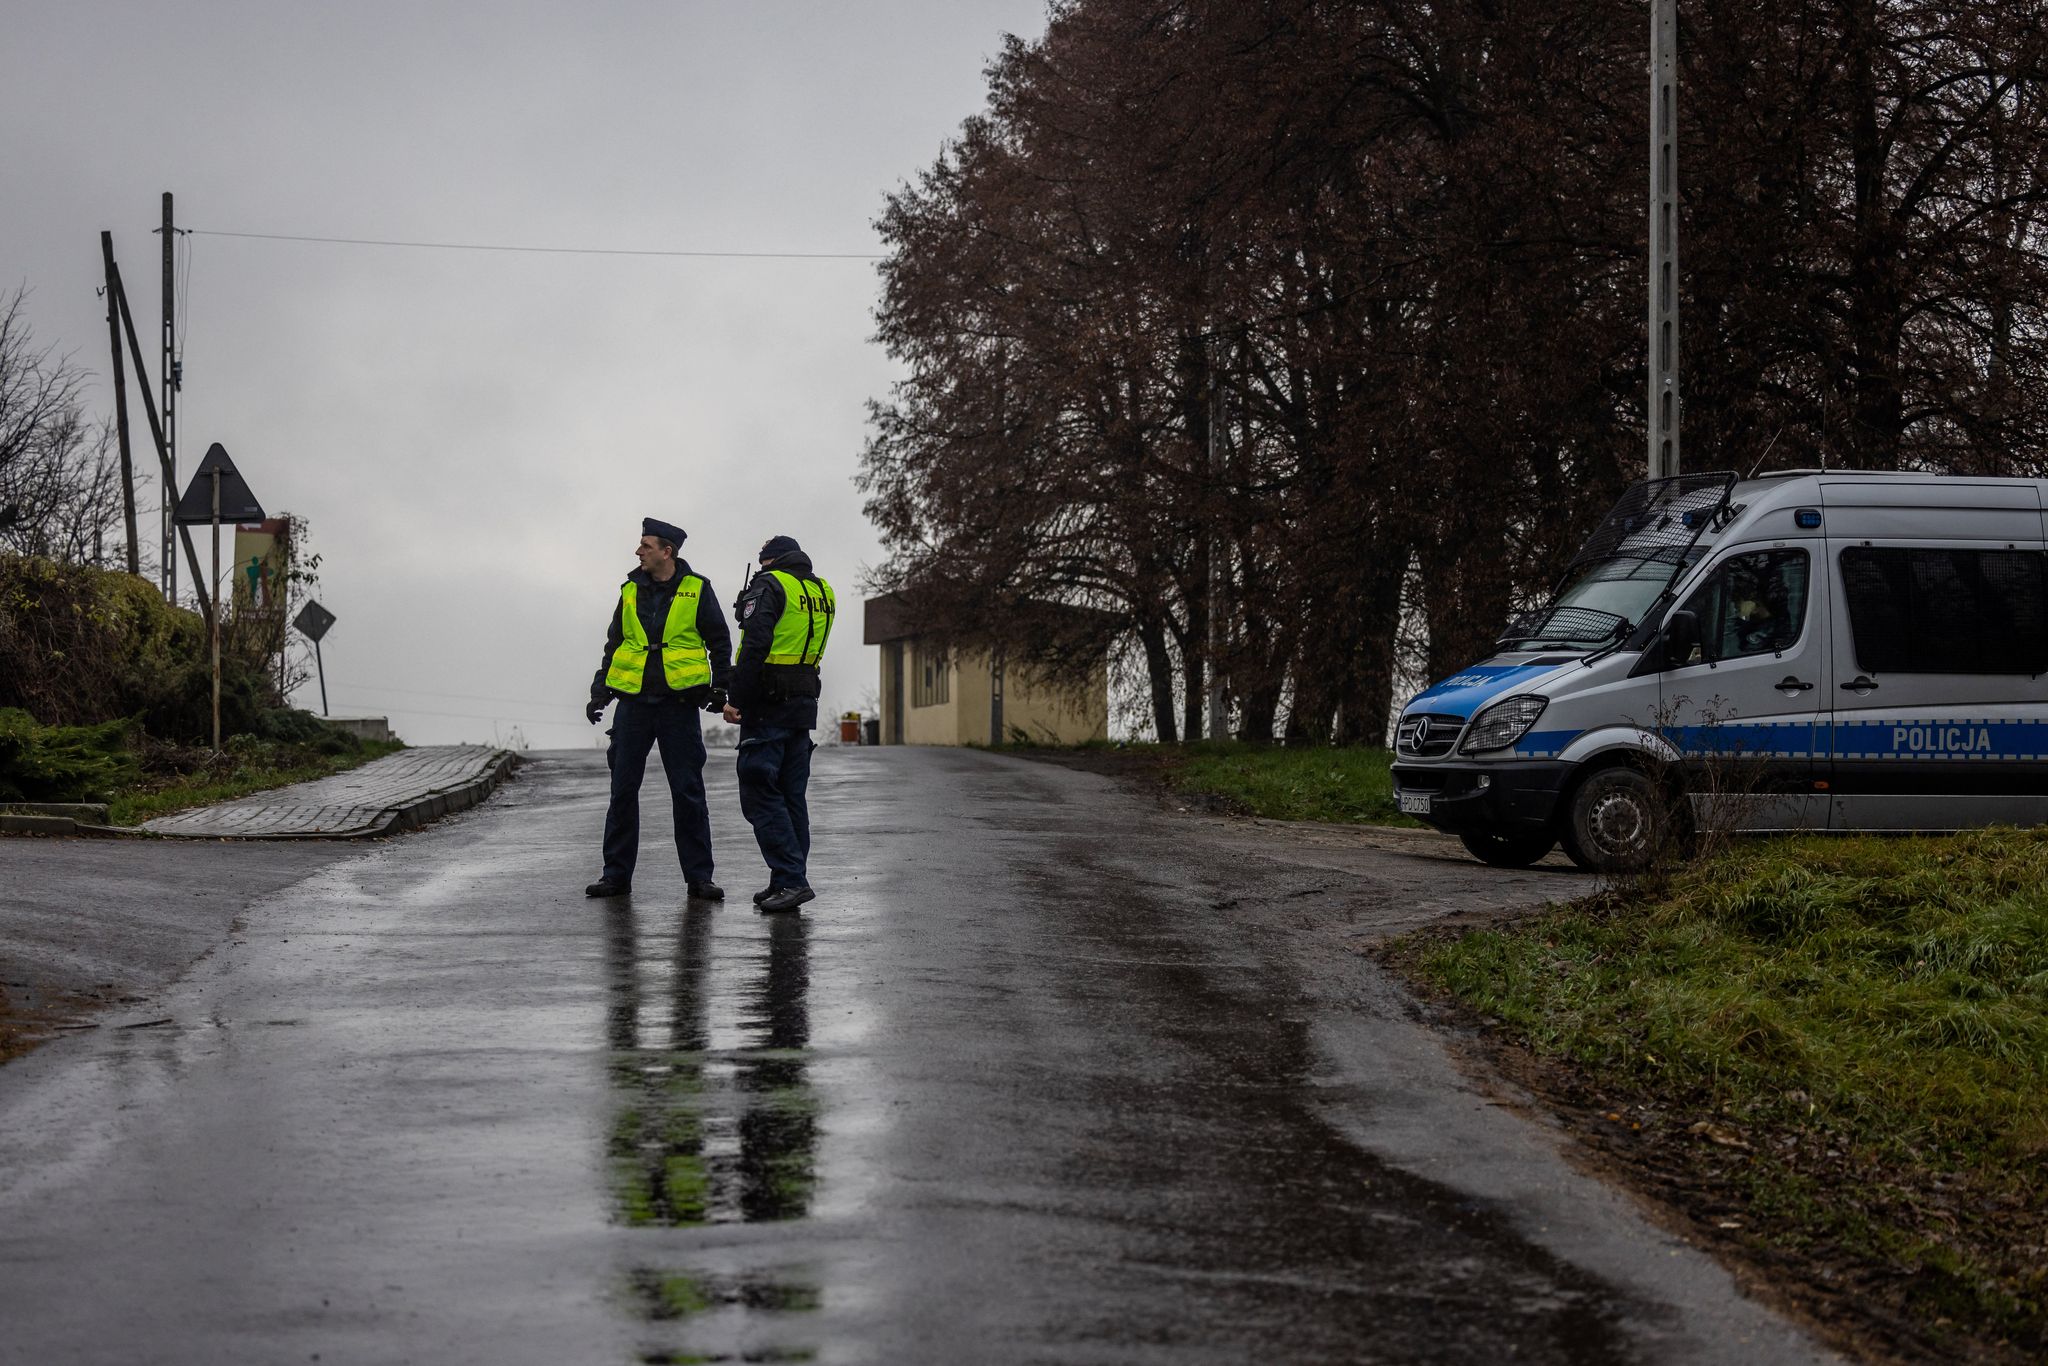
pixel 1615 821
pixel 1507 851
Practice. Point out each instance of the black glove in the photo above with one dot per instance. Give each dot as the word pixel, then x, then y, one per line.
pixel 595 711
pixel 715 703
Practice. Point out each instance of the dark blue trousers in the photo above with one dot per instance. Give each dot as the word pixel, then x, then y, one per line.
pixel 638 727
pixel 775 772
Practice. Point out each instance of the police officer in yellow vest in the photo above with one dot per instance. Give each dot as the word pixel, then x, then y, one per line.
pixel 667 655
pixel 785 619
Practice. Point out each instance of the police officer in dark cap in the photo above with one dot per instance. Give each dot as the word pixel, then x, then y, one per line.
pixel 665 657
pixel 785 617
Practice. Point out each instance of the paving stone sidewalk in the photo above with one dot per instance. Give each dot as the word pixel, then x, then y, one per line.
pixel 398 792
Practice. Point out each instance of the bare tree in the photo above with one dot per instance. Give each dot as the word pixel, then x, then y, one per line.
pixel 60 483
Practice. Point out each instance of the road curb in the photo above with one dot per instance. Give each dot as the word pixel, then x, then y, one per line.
pixel 14 823
pixel 93 813
pixel 435 805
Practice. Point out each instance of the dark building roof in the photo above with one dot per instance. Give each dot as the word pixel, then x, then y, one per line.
pixel 886 618
pixel 892 616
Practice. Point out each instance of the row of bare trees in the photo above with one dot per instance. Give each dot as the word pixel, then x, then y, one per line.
pixel 60 477
pixel 1309 319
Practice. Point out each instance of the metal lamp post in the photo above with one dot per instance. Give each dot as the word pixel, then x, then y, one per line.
pixel 1666 413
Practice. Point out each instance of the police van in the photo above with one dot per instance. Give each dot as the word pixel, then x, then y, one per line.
pixel 1810 650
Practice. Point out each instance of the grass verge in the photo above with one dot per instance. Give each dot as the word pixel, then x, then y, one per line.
pixel 243 767
pixel 1296 783
pixel 1318 783
pixel 1832 1052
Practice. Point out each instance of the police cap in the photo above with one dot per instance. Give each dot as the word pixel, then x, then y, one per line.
pixel 667 531
pixel 778 546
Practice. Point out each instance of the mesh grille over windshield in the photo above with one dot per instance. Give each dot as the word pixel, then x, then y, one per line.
pixel 1657 515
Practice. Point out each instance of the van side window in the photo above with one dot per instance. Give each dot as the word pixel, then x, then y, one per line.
pixel 1931 610
pixel 1754 604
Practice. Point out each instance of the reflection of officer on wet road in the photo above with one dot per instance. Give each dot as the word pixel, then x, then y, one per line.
pixel 664 658
pixel 694 1141
pixel 785 619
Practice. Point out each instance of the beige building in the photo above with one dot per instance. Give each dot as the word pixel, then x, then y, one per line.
pixel 934 697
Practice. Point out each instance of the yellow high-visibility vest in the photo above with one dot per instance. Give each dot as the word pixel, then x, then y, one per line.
pixel 684 661
pixel 808 608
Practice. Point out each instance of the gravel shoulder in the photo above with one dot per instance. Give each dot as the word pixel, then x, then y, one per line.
pixel 86 923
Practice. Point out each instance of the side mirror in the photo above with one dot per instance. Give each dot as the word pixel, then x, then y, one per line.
pixel 1681 638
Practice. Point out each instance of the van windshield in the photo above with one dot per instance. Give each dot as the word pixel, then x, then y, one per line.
pixel 1638 551
pixel 1626 588
pixel 1602 600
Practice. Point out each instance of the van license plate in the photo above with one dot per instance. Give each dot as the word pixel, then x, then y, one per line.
pixel 1415 803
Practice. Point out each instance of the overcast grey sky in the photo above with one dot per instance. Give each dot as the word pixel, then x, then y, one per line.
pixel 475 436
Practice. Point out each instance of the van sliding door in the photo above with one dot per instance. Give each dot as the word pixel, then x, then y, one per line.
pixel 1941 647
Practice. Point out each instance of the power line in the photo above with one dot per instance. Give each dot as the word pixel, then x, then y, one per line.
pixel 569 719
pixel 544 251
pixel 458 696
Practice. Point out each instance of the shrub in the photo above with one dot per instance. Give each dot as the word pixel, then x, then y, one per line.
pixel 62 763
pixel 80 646
pixel 291 726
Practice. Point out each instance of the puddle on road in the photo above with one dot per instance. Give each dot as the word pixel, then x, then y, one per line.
pixel 737 1312
pixel 703 1134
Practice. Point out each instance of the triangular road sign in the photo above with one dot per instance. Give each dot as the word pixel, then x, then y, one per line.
pixel 237 504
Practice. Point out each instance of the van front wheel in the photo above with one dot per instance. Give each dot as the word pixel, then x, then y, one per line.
pixel 1507 851
pixel 1615 821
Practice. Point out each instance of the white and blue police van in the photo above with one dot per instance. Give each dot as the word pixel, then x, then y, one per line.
pixel 1810 650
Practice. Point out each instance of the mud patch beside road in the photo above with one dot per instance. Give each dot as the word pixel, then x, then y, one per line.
pixel 30 1015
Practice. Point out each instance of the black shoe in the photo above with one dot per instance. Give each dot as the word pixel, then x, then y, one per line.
pixel 786 899
pixel 603 888
pixel 706 891
pixel 764 894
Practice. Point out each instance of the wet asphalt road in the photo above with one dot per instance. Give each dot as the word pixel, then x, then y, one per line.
pixel 1045 1075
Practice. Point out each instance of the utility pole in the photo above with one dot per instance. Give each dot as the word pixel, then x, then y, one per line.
pixel 169 378
pixel 1666 412
pixel 156 432
pixel 120 399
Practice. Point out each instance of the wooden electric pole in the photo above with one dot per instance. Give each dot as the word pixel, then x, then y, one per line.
pixel 156 432
pixel 120 400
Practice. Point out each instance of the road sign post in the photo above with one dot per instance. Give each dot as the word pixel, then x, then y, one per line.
pixel 215 581
pixel 217 490
pixel 313 621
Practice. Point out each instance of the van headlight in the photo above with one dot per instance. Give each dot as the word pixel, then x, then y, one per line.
pixel 1501 724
